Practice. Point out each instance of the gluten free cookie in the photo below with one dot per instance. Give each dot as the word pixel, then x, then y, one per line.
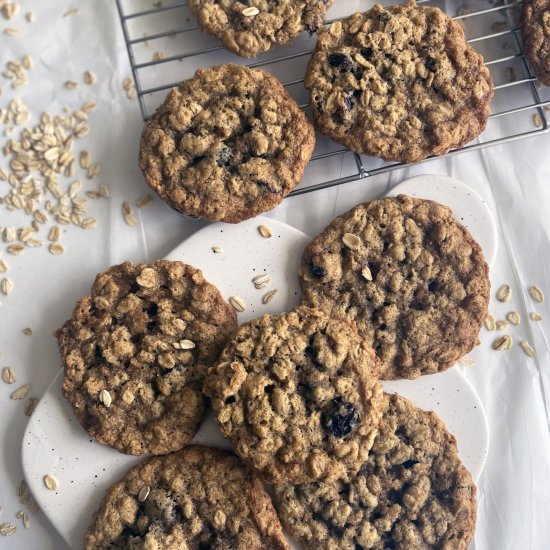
pixel 409 275
pixel 400 83
pixel 536 37
pixel 297 396
pixel 412 493
pixel 226 145
pixel 194 499
pixel 136 351
pixel 250 27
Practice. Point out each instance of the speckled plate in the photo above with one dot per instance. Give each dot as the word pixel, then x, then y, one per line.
pixel 55 443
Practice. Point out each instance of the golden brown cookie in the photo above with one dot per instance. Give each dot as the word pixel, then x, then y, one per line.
pixel 194 499
pixel 136 351
pixel 412 493
pixel 535 29
pixel 411 277
pixel 400 83
pixel 297 396
pixel 249 27
pixel 226 145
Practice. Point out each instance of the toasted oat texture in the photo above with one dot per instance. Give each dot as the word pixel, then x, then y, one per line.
pixel 412 493
pixel 196 498
pixel 416 283
pixel 226 145
pixel 535 29
pixel 399 83
pixel 297 396
pixel 128 382
pixel 247 31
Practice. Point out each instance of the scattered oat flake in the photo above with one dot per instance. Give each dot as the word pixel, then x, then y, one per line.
pixel 537 120
pixel 158 56
pixel 536 316
pixel 264 231
pixel 269 296
pixel 10 31
pixel 250 12
pixel 127 83
pixel 128 213
pixel 54 233
pixel 504 293
pixel 489 322
pixel 467 361
pixel 237 303
pixel 503 343
pixel 144 493
pixel 8 375
pixel 71 11
pixel 514 317
pixel 216 249
pixel 144 201
pixel 7 529
pixel 351 241
pixel 89 78
pixel 21 393
pixel 187 344
pixel 30 16
pixel 50 482
pixel 105 398
pixel 56 249
pixel 537 294
pixel 104 191
pixel 502 325
pixel 88 106
pixel 27 331
pixel 93 170
pixel 6 286
pixel 84 159
pixel 261 281
pixel 527 348
pixel 30 405
pixel 16 249
pixel 71 85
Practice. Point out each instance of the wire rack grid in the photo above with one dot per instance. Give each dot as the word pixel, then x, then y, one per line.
pixel 519 108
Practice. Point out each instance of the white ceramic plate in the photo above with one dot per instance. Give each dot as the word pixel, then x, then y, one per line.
pixel 468 206
pixel 55 443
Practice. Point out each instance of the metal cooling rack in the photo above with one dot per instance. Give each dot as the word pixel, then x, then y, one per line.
pixel 517 111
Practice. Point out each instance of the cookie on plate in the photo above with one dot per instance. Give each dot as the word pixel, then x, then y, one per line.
pixel 400 83
pixel 195 498
pixel 412 493
pixel 251 27
pixel 411 277
pixel 535 29
pixel 136 351
pixel 226 145
pixel 297 396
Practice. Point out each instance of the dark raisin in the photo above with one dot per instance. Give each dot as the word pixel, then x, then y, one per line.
pixel 395 496
pixel 134 288
pixel 432 286
pixel 196 160
pixel 204 546
pixel 152 309
pixel 341 418
pixel 341 60
pixel 385 16
pixel 349 102
pixel 151 326
pixel 223 156
pixel 366 52
pixel 430 63
pixel 358 547
pixel 357 93
pixel 409 463
pixel 317 271
pixel 265 185
pixel 269 388
pixel 230 400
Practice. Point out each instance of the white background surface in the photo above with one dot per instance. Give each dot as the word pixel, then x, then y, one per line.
pixel 514 491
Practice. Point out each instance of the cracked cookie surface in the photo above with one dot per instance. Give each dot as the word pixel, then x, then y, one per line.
pixel 413 493
pixel 297 396
pixel 251 27
pixel 536 37
pixel 136 351
pixel 412 278
pixel 193 499
pixel 226 145
pixel 399 83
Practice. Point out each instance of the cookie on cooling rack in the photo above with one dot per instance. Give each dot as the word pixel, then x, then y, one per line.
pixel 412 492
pixel 195 498
pixel 136 351
pixel 226 145
pixel 535 30
pixel 254 26
pixel 297 396
pixel 400 83
pixel 409 275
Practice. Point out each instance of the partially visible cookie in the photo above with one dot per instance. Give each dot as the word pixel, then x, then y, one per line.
pixel 412 278
pixel 400 83
pixel 535 30
pixel 226 145
pixel 412 493
pixel 194 499
pixel 297 396
pixel 136 351
pixel 250 27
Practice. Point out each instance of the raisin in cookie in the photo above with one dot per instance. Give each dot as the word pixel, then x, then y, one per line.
pixel 193 499
pixel 536 37
pixel 297 396
pixel 411 277
pixel 226 145
pixel 399 83
pixel 136 351
pixel 412 493
pixel 250 27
